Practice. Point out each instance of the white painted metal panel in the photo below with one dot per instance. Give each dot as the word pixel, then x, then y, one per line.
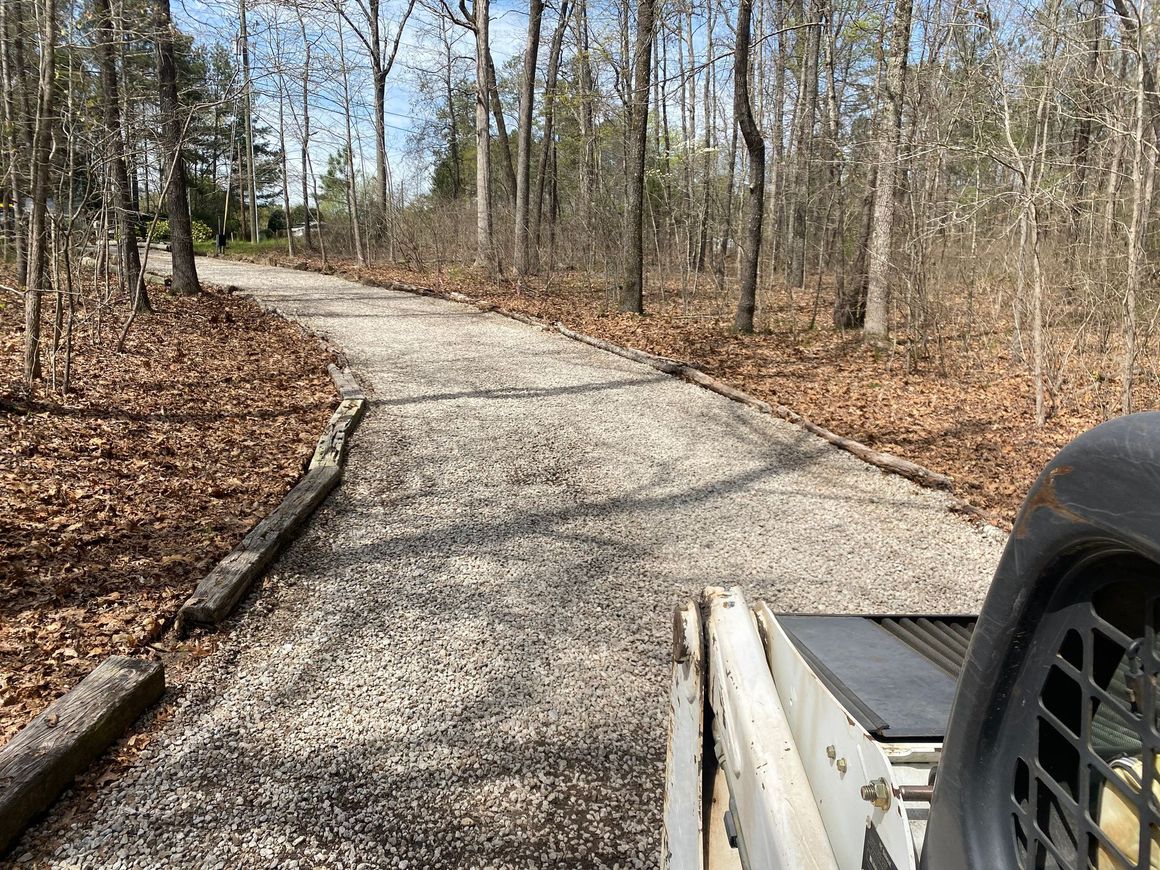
pixel 682 847
pixel 776 813
pixel 817 721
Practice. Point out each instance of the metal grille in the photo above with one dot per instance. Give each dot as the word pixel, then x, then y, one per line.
pixel 1084 791
pixel 942 640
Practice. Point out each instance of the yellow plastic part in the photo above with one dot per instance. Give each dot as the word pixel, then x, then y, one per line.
pixel 1120 819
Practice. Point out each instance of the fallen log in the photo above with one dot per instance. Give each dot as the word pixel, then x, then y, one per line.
pixel 456 296
pixel 221 589
pixel 709 382
pixel 524 318
pixel 887 461
pixel 47 754
pixel 878 458
pixel 668 366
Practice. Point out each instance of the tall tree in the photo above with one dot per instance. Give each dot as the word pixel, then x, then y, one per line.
pixel 351 186
pixel 755 145
pixel 305 144
pixel 485 243
pixel 877 324
pixel 586 86
pixel 632 289
pixel 547 143
pixel 248 109
pixel 17 129
pixel 525 252
pixel 382 52
pixel 172 137
pixel 37 232
pixel 806 114
pixel 1143 174
pixel 501 134
pixel 116 146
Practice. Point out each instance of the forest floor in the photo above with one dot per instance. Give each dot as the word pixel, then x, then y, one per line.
pixel 118 496
pixel 963 408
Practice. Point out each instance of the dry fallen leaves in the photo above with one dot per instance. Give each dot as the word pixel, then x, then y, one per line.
pixel 118 497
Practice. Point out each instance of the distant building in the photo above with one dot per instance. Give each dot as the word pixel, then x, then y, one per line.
pixel 300 230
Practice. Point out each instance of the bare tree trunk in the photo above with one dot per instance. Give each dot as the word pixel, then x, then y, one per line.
pixel 632 290
pixel 547 145
pixel 285 168
pixel 305 152
pixel 1134 33
pixel 755 145
pixel 37 235
pixel 777 185
pixel 17 127
pixel 247 103
pixel 173 135
pixel 1130 20
pixel 727 228
pixel 126 226
pixel 707 174
pixel 524 252
pixel 485 243
pixel 803 153
pixel 877 325
pixel 847 311
pixel 351 194
pixel 501 131
pixel 382 203
pixel 587 193
pixel 321 235
pixel 452 115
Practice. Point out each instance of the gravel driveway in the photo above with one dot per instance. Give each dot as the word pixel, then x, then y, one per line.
pixel 463 661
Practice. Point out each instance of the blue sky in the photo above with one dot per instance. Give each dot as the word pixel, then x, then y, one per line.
pixel 210 21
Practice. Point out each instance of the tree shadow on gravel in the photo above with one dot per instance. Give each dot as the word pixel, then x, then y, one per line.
pixel 548 750
pixel 524 393
pixel 582 797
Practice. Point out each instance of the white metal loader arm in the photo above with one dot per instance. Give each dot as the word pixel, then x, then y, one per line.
pixel 839 758
pixel 778 822
pixel 682 844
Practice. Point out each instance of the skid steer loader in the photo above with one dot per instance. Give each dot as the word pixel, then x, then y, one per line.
pixel 1026 737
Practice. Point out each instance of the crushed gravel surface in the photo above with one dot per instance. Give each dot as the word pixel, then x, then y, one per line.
pixel 463 661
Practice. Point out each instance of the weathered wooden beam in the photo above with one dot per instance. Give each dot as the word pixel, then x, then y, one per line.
pixel 221 589
pixel 335 438
pixel 346 383
pixel 47 754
